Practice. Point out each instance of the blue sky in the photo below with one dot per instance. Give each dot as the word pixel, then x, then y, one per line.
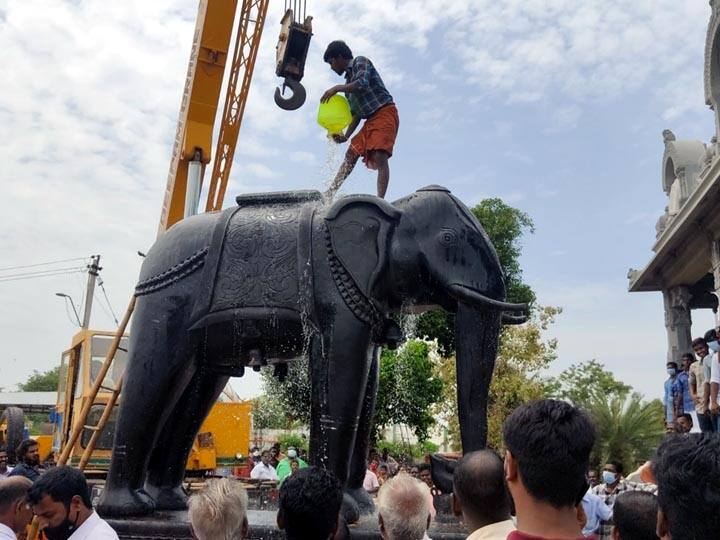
pixel 556 106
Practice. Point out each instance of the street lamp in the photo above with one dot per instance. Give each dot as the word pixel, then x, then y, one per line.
pixel 63 295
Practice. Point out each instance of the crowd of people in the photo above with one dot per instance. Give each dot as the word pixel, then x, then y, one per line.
pixel 541 488
pixel 691 396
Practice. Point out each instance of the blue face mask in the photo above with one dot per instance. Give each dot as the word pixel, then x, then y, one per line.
pixel 714 346
pixel 671 371
pixel 609 477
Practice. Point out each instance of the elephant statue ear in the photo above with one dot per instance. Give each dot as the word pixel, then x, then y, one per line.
pixel 358 234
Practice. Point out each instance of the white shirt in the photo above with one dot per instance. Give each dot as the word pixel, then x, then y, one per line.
pixel 371 482
pixel 6 533
pixel 494 531
pixel 263 472
pixel 94 528
pixel 715 372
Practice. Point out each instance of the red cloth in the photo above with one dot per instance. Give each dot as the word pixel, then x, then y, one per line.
pixel 378 133
pixel 517 535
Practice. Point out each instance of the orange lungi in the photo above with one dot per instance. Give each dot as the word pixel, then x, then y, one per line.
pixel 378 133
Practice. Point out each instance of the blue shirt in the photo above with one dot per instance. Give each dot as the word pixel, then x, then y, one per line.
pixel 669 399
pixel 595 510
pixel 682 383
pixel 371 95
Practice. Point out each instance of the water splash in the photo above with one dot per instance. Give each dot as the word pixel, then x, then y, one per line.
pixel 334 156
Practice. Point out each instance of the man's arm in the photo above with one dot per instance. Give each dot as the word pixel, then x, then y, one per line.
pixel 340 137
pixel 714 383
pixel 692 386
pixel 360 79
pixel 347 88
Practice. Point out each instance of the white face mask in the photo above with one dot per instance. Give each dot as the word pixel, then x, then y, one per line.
pixel 714 346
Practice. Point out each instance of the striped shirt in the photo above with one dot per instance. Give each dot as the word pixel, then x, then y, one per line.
pixel 371 95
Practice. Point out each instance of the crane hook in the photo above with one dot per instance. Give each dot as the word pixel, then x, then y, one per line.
pixel 297 97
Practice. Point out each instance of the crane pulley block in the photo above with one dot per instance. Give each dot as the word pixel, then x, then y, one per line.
pixel 292 49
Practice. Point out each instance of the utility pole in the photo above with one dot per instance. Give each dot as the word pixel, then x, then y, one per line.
pixel 93 269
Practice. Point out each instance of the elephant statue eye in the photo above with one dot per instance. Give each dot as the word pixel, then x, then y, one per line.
pixel 448 237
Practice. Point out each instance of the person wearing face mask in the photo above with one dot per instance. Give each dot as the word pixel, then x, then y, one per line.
pixel 670 392
pixel 61 501
pixel 613 485
pixel 684 403
pixel 697 380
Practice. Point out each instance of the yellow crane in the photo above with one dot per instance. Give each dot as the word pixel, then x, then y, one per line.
pixel 90 384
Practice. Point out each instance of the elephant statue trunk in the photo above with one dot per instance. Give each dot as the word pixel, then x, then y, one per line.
pixel 476 341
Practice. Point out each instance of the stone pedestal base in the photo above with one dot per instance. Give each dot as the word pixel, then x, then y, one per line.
pixel 167 525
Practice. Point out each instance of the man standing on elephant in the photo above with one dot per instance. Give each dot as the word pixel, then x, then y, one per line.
pixel 369 101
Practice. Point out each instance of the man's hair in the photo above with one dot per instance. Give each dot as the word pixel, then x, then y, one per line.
pixel 403 504
pixel 310 503
pixel 673 363
pixel 24 446
pixel 710 335
pixel 218 511
pixel 687 470
pixel 635 515
pixel 687 417
pixel 337 49
pixel 424 467
pixel 689 356
pixel 12 490
pixel 479 485
pixel 698 342
pixel 3 449
pixel 618 466
pixel 551 441
pixel 61 484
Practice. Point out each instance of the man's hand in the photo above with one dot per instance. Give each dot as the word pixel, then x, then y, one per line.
pixel 330 93
pixel 714 409
pixel 339 138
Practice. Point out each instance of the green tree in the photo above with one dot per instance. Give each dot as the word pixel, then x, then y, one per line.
pixel 523 356
pixel 290 398
pixel 269 414
pixel 47 381
pixel 408 388
pixel 505 227
pixel 629 429
pixel 583 383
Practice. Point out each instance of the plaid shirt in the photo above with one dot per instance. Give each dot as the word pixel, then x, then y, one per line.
pixel 605 531
pixel 372 94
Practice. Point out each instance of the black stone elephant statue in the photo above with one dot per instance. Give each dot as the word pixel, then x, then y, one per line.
pixel 283 275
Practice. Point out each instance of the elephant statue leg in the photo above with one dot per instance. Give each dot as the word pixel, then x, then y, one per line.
pixel 156 377
pixel 166 469
pixel 358 464
pixel 339 366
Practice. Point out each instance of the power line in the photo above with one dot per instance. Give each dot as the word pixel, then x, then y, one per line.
pixel 41 272
pixel 102 286
pixel 42 264
pixel 20 277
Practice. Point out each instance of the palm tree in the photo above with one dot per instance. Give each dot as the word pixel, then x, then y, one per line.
pixel 629 429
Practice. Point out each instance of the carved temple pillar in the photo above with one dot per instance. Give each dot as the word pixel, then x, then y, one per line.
pixel 715 262
pixel 677 321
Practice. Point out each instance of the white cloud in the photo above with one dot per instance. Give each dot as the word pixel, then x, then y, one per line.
pixel 90 94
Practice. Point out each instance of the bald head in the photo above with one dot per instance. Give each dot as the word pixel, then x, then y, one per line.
pixel 12 490
pixel 479 488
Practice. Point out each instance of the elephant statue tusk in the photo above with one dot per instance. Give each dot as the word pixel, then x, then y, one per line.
pixel 472 297
pixel 509 318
